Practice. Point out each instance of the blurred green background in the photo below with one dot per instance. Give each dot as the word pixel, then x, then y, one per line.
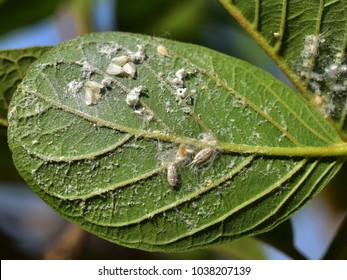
pixel 31 230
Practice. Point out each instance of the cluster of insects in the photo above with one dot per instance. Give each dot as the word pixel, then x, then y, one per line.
pixel 177 83
pixel 126 66
pixel 330 78
pixel 120 66
pixel 184 154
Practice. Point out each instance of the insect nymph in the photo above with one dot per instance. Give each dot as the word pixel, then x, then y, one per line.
pixel 172 177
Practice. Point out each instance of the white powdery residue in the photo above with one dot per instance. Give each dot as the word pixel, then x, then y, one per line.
pixel 190 221
pixel 332 70
pixel 107 82
pixel 316 77
pixel 339 87
pixel 181 74
pixel 328 108
pixel 311 46
pixel 139 56
pixel 87 69
pixel 256 135
pixel 181 92
pixel 208 137
pixel 335 70
pixel 39 108
pixel 133 97
pixel 281 137
pixel 177 83
pixel 186 110
pixel 308 54
pixel 168 107
pixel 315 87
pixel 343 68
pixel 108 50
pixel 144 114
pixel 75 86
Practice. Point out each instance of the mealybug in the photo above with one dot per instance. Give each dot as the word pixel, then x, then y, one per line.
pixel 133 97
pixel 202 156
pixel 130 69
pixel 172 177
pixel 114 69
pixel 181 73
pixel 120 60
pixel 92 92
pixel 162 50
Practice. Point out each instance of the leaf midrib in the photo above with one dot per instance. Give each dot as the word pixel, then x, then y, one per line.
pixel 337 150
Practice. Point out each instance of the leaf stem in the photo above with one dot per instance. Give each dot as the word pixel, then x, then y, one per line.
pixel 336 150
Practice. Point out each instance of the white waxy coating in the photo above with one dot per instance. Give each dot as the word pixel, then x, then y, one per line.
pixel 177 83
pixel 114 69
pixel 120 60
pixel 130 69
pixel 138 56
pixel 144 114
pixel 75 86
pixel 162 50
pixel 133 97
pixel 181 73
pixel 182 92
pixel 107 82
pixel 202 156
pixel 172 175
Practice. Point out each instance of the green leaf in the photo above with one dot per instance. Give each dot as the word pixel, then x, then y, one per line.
pixel 13 66
pixel 308 40
pixel 102 163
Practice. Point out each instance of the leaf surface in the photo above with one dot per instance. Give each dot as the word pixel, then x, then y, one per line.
pixel 308 40
pixel 13 66
pixel 103 164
